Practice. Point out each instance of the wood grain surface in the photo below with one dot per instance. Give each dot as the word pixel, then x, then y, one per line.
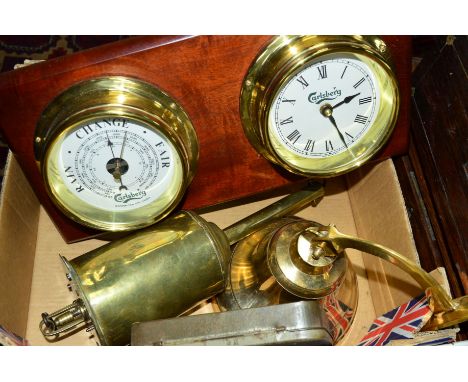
pixel 433 176
pixel 204 74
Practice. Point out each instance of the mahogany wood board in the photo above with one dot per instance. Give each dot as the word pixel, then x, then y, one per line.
pixel 204 74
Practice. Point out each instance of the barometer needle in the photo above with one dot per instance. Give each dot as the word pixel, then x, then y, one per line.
pixel 116 173
pixel 118 176
pixel 348 99
pixel 123 145
pixel 110 144
pixel 122 187
pixel 117 168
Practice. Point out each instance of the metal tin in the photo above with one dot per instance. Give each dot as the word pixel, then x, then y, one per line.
pixel 297 323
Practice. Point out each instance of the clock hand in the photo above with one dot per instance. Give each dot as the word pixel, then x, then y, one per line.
pixel 332 120
pixel 348 99
pixel 327 111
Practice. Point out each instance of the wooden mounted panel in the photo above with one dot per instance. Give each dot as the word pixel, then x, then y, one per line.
pixel 204 74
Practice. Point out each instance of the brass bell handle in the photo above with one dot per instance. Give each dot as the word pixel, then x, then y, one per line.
pixel 447 311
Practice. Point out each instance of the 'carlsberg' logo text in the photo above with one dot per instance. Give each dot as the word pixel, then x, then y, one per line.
pixel 127 196
pixel 326 96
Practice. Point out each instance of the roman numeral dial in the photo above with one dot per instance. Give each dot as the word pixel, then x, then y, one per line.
pixel 286 121
pixel 325 109
pixel 365 100
pixel 309 146
pixel 360 119
pixel 322 70
pixel 303 82
pixel 294 136
pixel 357 84
pixel 320 105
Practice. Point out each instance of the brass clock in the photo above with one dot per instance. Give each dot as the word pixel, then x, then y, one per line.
pixel 320 105
pixel 116 153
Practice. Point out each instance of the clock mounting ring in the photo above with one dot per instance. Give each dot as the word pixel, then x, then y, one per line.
pixel 282 62
pixel 116 153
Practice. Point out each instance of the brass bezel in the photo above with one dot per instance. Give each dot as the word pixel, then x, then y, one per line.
pixel 115 96
pixel 280 60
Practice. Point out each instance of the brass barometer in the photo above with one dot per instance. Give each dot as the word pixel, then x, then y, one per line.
pixel 116 153
pixel 320 105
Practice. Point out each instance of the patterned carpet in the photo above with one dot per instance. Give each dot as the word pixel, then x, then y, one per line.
pixel 15 49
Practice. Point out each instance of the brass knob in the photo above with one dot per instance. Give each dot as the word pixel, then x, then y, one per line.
pixel 302 266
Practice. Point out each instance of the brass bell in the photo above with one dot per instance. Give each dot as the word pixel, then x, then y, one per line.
pixel 280 263
pixel 293 259
pixel 159 272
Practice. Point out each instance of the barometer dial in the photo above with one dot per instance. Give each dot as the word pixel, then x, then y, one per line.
pixel 119 167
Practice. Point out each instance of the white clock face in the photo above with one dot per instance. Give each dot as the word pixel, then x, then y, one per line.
pixel 326 108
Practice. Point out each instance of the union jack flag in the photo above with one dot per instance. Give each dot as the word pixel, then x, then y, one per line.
pixel 339 316
pixel 400 323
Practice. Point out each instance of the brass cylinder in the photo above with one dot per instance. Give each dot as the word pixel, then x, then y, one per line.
pixel 159 272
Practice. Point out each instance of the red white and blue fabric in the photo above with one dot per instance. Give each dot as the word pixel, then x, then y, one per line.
pixel 339 316
pixel 437 341
pixel 10 339
pixel 400 323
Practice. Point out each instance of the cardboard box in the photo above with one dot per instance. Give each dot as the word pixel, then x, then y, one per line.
pixel 367 203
